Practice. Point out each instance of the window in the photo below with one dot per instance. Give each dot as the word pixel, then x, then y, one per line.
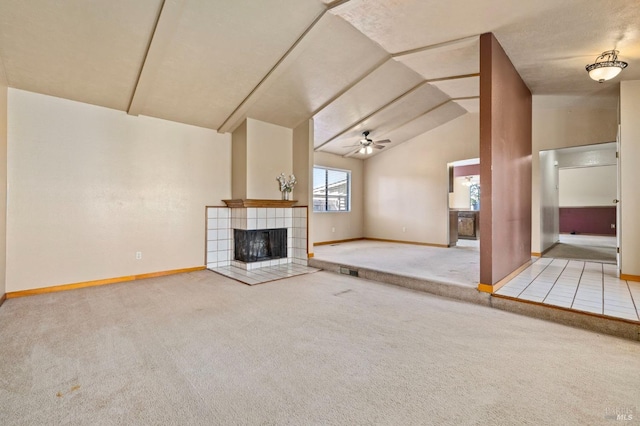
pixel 331 190
pixel 474 196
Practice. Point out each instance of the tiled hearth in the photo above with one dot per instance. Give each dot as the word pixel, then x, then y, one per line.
pixel 221 221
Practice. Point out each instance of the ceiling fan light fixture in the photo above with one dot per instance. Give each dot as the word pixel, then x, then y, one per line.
pixel 606 66
pixel 366 145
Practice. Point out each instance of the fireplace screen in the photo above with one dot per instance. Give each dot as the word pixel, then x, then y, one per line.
pixel 261 244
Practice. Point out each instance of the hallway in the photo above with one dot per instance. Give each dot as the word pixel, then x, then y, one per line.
pixel 597 248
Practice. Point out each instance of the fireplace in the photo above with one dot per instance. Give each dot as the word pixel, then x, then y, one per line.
pixel 224 222
pixel 259 244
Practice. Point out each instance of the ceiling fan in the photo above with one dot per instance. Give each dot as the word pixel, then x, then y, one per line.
pixel 366 145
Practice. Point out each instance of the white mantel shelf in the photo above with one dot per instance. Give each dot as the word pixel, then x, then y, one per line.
pixel 240 203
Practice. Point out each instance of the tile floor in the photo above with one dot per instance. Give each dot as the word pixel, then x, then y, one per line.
pixel 583 286
pixel 264 275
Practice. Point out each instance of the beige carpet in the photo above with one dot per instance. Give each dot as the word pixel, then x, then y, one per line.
pixel 584 247
pixel 200 349
pixel 458 265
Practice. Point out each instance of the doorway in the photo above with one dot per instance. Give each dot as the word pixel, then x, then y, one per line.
pixel 464 203
pixel 581 203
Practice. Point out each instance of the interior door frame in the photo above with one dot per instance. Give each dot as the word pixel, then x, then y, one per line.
pixel 618 202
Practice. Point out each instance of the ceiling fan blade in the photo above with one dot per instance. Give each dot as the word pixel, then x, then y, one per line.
pixel 383 141
pixel 377 146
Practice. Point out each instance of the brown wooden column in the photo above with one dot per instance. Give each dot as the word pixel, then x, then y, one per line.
pixel 505 166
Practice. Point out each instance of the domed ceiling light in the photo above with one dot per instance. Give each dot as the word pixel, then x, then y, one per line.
pixel 606 66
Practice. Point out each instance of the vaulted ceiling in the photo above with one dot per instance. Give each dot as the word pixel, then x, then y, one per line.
pixel 395 67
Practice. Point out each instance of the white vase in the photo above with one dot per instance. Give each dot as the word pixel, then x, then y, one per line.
pixel 285 195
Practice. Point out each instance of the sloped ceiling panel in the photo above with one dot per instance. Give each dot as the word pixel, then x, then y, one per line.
pixel 220 52
pixel 400 25
pixel 411 106
pixel 471 105
pixel 86 51
pixel 377 89
pixel 449 59
pixel 427 122
pixel 460 87
pixel 335 55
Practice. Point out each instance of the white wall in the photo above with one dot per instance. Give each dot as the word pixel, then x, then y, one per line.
pixel 90 186
pixel 303 169
pixel 269 153
pixel 559 122
pixel 303 163
pixel 588 186
pixel 335 226
pixel 3 184
pixel 549 197
pixel 630 176
pixel 239 162
pixel 407 186
pixel 588 156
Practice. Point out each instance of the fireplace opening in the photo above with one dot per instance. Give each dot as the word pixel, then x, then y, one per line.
pixel 260 244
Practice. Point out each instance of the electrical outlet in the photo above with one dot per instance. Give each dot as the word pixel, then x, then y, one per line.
pixel 404 229
pixel 333 229
pixel 138 255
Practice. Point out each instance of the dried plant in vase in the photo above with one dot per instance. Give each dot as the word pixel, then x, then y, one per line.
pixel 286 185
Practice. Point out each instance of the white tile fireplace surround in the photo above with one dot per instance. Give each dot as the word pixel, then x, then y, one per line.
pixel 221 221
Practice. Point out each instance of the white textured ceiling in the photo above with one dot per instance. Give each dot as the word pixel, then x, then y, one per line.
pixel 395 67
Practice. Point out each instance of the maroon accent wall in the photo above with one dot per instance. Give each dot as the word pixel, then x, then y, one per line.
pixel 505 164
pixel 588 220
pixel 470 170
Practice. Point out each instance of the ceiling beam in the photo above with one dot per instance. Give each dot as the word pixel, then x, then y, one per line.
pixel 430 110
pixel 390 103
pixel 465 98
pixel 336 3
pixel 437 46
pixel 409 121
pixel 238 114
pixel 441 104
pixel 166 24
pixel 347 88
pixel 453 77
pixel 354 125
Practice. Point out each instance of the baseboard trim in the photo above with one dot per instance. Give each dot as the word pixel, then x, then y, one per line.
pixel 65 287
pixel 326 243
pixel 628 277
pixel 492 288
pixel 415 243
pixel 485 288
pixel 588 234
pixel 545 251
pixel 3 298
